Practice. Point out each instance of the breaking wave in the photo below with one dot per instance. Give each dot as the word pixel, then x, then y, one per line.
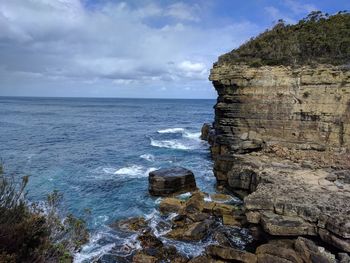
pixel 133 171
pixel 171 144
pixel 172 130
pixel 148 157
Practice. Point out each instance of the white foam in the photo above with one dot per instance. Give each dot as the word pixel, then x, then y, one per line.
pixel 133 170
pixel 90 252
pixel 150 170
pixel 148 157
pixel 172 130
pixel 185 196
pixel 171 144
pixel 192 135
pixel 109 170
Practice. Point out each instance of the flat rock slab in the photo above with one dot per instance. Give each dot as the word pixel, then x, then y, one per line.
pixel 169 181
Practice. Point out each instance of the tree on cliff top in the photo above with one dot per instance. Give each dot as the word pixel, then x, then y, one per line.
pixel 318 38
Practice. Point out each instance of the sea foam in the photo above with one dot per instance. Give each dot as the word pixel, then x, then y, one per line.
pixel 172 130
pixel 133 171
pixel 148 157
pixel 171 144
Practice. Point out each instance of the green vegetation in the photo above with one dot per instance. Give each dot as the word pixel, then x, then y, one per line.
pixel 27 234
pixel 318 38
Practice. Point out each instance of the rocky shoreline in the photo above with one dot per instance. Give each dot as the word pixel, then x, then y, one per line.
pixel 281 143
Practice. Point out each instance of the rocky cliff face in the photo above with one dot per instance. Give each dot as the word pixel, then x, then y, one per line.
pixel 282 139
pixel 304 108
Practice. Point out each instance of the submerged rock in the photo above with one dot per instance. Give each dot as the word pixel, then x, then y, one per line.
pixel 169 181
pixel 131 224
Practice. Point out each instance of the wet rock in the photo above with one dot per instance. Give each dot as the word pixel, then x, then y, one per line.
pixel 205 131
pixel 195 203
pixel 191 232
pixel 168 181
pixel 148 240
pixel 223 198
pixel 233 220
pixel 208 207
pixel 171 205
pixel 227 253
pixel 141 257
pixel 131 224
pixel 198 217
pixel 223 209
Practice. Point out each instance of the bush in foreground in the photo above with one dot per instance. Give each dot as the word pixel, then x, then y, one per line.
pixel 30 234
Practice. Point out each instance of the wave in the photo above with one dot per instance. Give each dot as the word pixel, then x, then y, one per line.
pixel 133 171
pixel 130 170
pixel 171 144
pixel 148 157
pixel 92 251
pixel 192 135
pixel 172 130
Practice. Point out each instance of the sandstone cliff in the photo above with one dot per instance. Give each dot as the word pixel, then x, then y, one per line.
pixel 282 135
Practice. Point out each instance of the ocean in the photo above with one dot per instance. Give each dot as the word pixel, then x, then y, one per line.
pixel 98 153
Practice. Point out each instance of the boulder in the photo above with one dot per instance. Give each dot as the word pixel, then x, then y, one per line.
pixel 191 232
pixel 169 181
pixel 311 253
pixel 205 131
pixel 277 252
pixel 230 254
pixel 141 257
pixel 149 240
pixel 131 224
pixel 171 205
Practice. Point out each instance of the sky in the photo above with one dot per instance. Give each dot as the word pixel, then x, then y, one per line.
pixel 133 49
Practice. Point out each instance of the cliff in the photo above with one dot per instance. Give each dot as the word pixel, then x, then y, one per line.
pixel 303 108
pixel 282 139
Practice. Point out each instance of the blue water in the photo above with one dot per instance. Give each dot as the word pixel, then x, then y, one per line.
pixel 98 152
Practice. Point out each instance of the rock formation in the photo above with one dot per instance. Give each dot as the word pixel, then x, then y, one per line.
pixel 282 140
pixel 168 181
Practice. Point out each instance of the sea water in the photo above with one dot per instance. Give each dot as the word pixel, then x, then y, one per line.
pixel 98 153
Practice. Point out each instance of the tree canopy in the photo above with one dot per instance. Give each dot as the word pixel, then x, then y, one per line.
pixel 318 38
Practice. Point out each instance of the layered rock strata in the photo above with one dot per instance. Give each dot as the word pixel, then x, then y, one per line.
pixel 168 181
pixel 282 139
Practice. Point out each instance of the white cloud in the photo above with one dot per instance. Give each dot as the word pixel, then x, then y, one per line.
pixel 294 9
pixel 300 8
pixel 108 46
pixel 183 11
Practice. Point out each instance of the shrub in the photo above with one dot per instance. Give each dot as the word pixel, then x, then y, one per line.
pixel 27 234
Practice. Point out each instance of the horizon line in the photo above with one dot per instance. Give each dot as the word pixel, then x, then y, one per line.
pixel 76 97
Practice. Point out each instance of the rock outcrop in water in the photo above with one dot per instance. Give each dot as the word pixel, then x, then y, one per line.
pixel 282 139
pixel 168 181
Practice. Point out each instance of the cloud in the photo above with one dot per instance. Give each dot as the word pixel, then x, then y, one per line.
pixel 300 8
pixel 290 11
pixel 183 11
pixel 110 45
